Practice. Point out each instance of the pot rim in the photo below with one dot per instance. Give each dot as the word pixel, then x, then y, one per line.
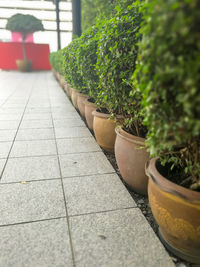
pixel 24 60
pixel 82 95
pixel 129 137
pixel 105 115
pixel 168 186
pixel 75 90
pixel 87 103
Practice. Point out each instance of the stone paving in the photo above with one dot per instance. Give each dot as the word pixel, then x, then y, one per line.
pixel 61 202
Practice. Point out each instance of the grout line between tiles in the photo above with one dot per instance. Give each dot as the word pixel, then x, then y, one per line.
pixel 104 211
pixel 57 178
pixel 27 222
pixel 64 198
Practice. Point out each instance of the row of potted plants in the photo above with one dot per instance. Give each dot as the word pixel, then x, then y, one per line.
pixel 140 72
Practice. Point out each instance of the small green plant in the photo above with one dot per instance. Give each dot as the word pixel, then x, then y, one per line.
pixel 168 76
pixel 24 24
pixel 117 54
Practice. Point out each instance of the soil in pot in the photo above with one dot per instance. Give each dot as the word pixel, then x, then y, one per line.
pixel 177 212
pixel 131 156
pixel 104 129
pixel 81 98
pixel 90 106
pixel 24 65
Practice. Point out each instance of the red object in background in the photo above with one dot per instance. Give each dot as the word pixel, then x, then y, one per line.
pixel 38 53
pixel 17 37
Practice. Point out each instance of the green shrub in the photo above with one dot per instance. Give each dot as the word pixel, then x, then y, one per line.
pixel 117 53
pixel 168 76
pixel 56 61
pixel 71 68
pixel 92 9
pixel 87 58
pixel 52 57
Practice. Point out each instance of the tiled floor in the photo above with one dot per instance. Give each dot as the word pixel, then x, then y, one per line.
pixel 61 202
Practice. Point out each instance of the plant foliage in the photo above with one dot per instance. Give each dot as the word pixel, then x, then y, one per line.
pixel 56 61
pixel 71 68
pixel 117 54
pixel 93 9
pixel 24 24
pixel 168 76
pixel 87 58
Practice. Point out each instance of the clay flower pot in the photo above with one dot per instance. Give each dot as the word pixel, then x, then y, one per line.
pixel 131 156
pixel 74 98
pixel 89 108
pixel 81 103
pixel 54 72
pixel 24 65
pixel 62 81
pixel 104 130
pixel 177 211
pixel 57 76
pixel 68 90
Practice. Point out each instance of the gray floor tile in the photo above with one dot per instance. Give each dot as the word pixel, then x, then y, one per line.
pixel 96 193
pixel 11 110
pixel 33 148
pixel 37 116
pixel 31 201
pixel 62 110
pixel 33 124
pixel 115 239
pixel 14 105
pixel 7 135
pixel 9 125
pixel 74 132
pixel 38 244
pixel 7 117
pixel 66 115
pixel 84 164
pixel 35 134
pixel 4 149
pixel 74 145
pixel 37 110
pixel 33 168
pixel 68 123
pixel 2 164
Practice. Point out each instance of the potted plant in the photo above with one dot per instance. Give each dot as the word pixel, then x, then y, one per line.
pixel 56 61
pixel 71 70
pixel 24 24
pixel 117 53
pixel 52 58
pixel 168 77
pixel 87 58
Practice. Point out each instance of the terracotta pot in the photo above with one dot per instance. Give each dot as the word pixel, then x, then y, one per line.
pixel 68 90
pixel 54 72
pixel 89 108
pixel 104 130
pixel 177 211
pixel 62 81
pixel 57 76
pixel 24 65
pixel 131 156
pixel 74 98
pixel 81 103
